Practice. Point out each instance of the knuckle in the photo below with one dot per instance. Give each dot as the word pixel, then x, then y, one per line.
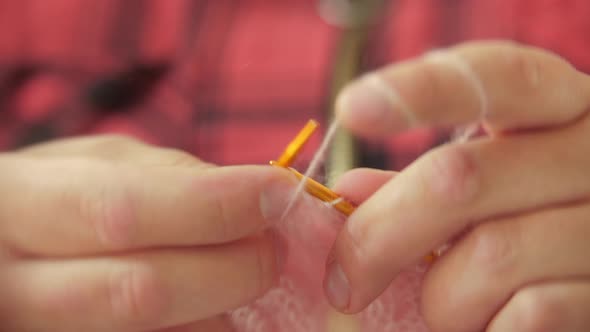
pixel 518 60
pixel 432 82
pixel 136 296
pixel 536 311
pixel 452 175
pixel 493 249
pixel 109 213
pixel 173 157
pixel 526 66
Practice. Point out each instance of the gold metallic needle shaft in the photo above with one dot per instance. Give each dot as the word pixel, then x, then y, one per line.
pixel 322 192
pixel 297 144
pixel 313 187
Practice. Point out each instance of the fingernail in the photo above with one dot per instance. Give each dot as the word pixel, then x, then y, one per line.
pixel 369 104
pixel 337 287
pixel 274 200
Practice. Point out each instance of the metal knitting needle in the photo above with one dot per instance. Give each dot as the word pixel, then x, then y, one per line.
pixel 295 146
pixel 313 187
pixel 324 194
pixel 320 191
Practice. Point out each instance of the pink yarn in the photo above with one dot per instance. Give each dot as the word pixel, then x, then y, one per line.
pixel 297 303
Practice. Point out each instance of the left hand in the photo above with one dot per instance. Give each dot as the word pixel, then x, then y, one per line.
pixel 106 233
pixel 519 197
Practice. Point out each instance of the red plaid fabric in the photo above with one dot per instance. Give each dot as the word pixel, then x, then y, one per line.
pixel 231 81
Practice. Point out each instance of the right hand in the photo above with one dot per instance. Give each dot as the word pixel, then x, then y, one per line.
pixel 109 234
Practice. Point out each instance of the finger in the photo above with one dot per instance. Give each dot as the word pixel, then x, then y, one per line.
pixel 449 189
pixel 142 291
pixel 482 271
pixel 114 148
pixel 358 184
pixel 507 85
pixel 216 324
pixel 560 306
pixel 78 206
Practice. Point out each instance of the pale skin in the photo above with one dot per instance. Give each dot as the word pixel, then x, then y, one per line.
pixel 518 198
pixel 109 234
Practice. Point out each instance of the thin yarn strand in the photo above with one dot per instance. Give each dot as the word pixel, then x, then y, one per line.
pixel 313 166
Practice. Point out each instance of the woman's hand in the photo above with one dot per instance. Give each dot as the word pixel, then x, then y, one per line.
pixel 108 234
pixel 515 203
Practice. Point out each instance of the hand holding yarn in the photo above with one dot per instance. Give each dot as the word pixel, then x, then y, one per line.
pixel 514 202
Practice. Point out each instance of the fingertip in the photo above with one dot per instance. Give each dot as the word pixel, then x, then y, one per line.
pixel 358 184
pixel 237 201
pixel 361 175
pixel 369 107
pixel 350 283
pixel 276 193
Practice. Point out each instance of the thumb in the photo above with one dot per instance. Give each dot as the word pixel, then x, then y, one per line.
pixel 358 184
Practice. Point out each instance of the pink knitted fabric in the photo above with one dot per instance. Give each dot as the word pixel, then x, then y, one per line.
pixel 297 304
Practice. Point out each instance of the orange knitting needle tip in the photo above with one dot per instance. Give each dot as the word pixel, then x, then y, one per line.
pixel 326 195
pixel 322 192
pixel 297 144
pixel 313 187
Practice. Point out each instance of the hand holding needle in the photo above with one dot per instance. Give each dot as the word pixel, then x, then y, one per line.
pixel 313 187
